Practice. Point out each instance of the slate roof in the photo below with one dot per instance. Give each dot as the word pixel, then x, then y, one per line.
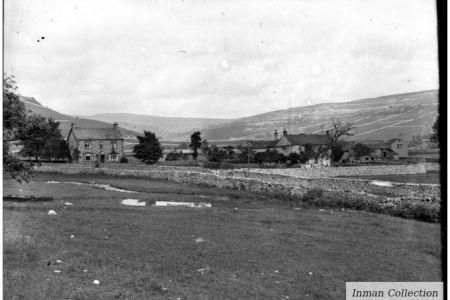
pixel 303 139
pixel 263 144
pixel 373 145
pixel 109 133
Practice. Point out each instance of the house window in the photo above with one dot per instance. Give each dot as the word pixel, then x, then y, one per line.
pixel 87 145
pixel 113 145
pixel 112 157
pixel 87 157
pixel 101 146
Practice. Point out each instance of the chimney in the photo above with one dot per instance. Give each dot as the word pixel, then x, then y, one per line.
pixel 115 125
pixel 284 132
pixel 276 135
pixel 72 125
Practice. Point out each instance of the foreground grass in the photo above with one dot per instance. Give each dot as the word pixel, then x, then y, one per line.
pixel 264 249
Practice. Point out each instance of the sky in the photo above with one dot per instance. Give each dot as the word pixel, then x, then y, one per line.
pixel 221 59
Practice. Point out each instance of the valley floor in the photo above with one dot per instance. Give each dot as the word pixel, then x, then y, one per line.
pixel 247 246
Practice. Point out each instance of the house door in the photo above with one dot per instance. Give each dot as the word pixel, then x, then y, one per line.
pixel 102 158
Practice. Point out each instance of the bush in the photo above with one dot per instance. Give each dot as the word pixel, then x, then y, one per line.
pixel 269 157
pixel 97 164
pixel 294 158
pixel 123 160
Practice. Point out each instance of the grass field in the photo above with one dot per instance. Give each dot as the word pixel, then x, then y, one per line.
pixel 432 177
pixel 264 249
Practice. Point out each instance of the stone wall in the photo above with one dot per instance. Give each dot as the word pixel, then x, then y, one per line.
pixel 403 190
pixel 260 182
pixel 352 171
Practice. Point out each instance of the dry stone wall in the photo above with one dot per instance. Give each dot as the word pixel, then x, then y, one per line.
pixel 430 192
pixel 352 171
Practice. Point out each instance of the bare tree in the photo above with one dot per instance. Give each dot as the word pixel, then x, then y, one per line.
pixel 337 130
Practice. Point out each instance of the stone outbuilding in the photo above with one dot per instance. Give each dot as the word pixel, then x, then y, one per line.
pixel 96 144
pixel 289 143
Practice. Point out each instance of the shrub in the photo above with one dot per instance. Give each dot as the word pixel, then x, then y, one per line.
pixel 123 160
pixel 294 158
pixel 269 157
pixel 97 164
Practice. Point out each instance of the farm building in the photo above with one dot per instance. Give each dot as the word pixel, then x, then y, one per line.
pixel 289 143
pixel 392 149
pixel 96 144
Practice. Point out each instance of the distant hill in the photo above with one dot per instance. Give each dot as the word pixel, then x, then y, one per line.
pixel 381 118
pixel 34 107
pixel 165 127
pixel 401 115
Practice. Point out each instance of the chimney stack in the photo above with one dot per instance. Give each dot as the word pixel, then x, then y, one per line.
pixel 72 125
pixel 284 132
pixel 115 125
pixel 276 135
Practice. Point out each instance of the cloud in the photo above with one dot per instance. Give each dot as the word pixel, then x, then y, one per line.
pixel 217 58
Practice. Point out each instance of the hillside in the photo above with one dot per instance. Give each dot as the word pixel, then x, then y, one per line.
pixel 165 127
pixel 34 107
pixel 401 115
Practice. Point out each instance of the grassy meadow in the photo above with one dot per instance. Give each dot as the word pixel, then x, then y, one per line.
pixel 247 246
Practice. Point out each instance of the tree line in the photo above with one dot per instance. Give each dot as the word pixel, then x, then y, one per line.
pixel 39 137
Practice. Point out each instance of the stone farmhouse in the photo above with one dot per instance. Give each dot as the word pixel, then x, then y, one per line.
pixel 392 149
pixel 102 145
pixel 289 143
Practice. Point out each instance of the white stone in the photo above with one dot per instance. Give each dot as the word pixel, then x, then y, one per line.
pixel 96 282
pixel 381 183
pixel 51 212
pixel 68 204
pixel 132 202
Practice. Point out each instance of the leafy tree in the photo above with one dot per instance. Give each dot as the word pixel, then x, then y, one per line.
pixel 62 151
pixel 246 154
pixel 14 119
pixel 294 158
pixel 361 150
pixel 435 136
pixel 338 129
pixel 216 155
pixel 43 138
pixel 230 151
pixel 149 148
pixel 196 143
pixel 205 145
pixel 269 156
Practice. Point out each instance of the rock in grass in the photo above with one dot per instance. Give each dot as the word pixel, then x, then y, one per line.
pixel 96 282
pixel 199 240
pixel 51 212
pixel 57 271
pixel 68 203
